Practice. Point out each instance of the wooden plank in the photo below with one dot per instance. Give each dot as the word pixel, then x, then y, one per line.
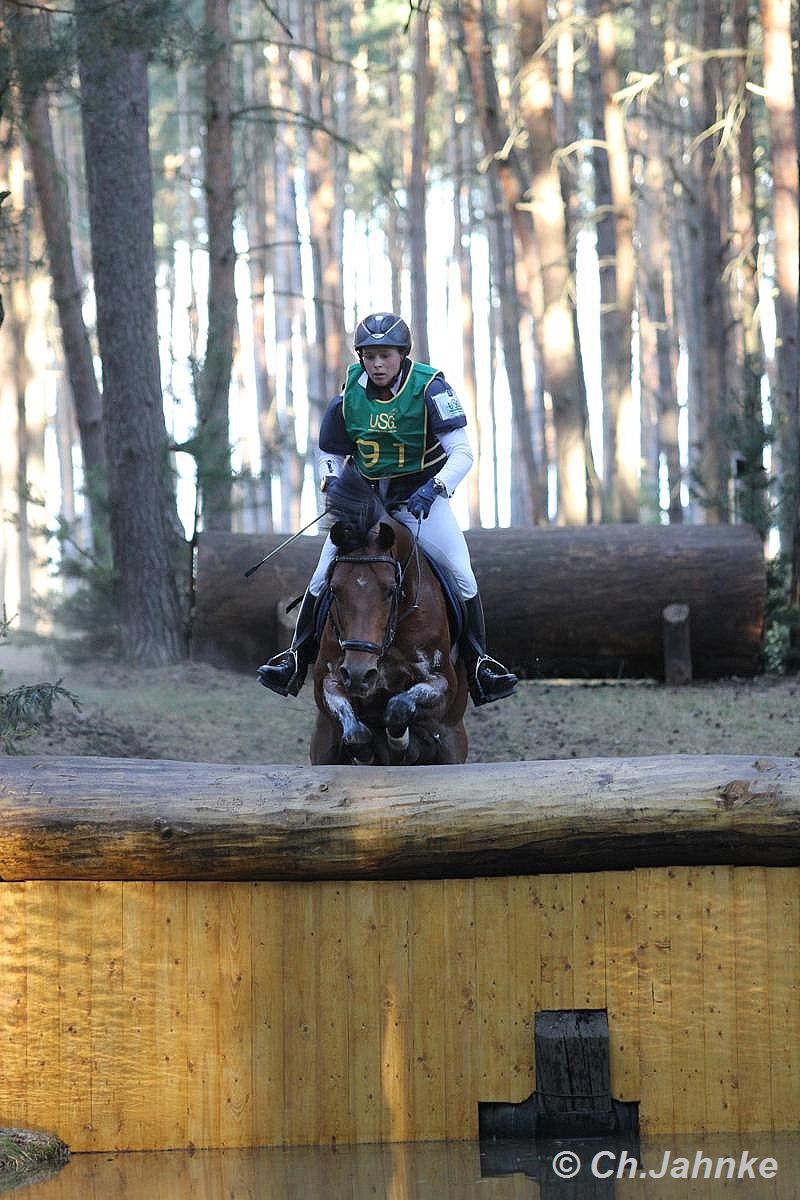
pixel 528 937
pixel 427 1010
pixel 751 938
pixel 13 1004
pixel 268 1016
pixel 783 992
pixel 73 921
pixel 137 1055
pixel 335 1120
pixel 460 1011
pixel 655 1002
pixel 88 818
pixel 523 983
pixel 394 913
pixel 588 943
pixel 493 949
pixel 171 986
pixel 43 981
pixel 688 1017
pixel 300 1014
pixel 719 1000
pixel 235 1017
pixel 203 1126
pixel 622 984
pixel 555 895
pixel 109 1030
pixel 364 1006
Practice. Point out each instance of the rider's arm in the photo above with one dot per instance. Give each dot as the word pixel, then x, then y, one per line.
pixel 448 422
pixel 459 458
pixel 335 443
pixel 330 466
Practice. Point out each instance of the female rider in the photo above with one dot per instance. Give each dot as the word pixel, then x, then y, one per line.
pixel 403 427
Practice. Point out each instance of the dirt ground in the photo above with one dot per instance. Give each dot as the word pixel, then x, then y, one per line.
pixel 198 713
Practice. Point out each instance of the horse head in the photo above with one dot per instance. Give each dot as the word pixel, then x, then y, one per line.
pixel 365 580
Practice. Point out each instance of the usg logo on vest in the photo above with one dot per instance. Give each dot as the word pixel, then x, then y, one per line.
pixel 384 421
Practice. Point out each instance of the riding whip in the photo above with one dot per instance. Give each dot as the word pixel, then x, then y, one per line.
pixel 251 570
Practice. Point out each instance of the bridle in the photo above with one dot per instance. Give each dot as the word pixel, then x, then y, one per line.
pixel 395 616
pixel 394 604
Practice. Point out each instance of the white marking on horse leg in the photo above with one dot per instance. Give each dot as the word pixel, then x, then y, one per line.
pixel 399 743
pixel 342 711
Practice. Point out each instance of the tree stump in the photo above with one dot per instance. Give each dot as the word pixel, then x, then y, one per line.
pixel 677 645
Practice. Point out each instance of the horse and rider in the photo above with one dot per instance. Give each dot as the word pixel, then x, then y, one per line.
pixel 393 441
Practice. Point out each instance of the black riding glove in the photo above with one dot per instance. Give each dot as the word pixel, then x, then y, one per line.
pixel 420 502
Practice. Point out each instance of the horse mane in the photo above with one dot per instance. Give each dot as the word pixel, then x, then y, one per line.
pixel 355 507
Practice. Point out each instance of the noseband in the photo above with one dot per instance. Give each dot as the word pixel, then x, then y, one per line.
pixel 394 608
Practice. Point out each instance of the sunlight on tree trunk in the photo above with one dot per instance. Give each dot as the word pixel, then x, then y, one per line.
pixel 559 359
pixel 417 183
pixel 114 106
pixel 778 85
pixel 213 436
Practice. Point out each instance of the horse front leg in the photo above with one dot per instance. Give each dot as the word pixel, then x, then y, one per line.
pixel 356 736
pixel 426 698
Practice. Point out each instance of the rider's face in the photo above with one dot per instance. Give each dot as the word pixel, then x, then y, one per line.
pixel 382 363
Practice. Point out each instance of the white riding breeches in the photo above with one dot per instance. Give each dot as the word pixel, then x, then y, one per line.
pixel 439 534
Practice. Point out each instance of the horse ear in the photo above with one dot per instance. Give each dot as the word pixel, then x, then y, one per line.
pixel 336 534
pixel 385 536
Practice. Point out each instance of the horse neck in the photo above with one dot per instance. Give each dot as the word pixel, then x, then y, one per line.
pixel 410 556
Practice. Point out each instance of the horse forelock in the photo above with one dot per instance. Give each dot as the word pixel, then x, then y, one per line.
pixel 356 509
pixel 353 503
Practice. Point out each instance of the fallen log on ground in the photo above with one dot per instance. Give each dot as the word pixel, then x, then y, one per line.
pixel 559 602
pixel 106 819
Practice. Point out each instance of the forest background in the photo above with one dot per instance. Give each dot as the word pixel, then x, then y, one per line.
pixel 587 211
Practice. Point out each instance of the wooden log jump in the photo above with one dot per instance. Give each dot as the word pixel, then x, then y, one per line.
pixel 118 819
pixel 559 602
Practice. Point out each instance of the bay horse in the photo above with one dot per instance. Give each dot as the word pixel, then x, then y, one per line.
pixel 385 684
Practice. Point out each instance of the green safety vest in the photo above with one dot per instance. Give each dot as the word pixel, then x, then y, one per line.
pixel 390 436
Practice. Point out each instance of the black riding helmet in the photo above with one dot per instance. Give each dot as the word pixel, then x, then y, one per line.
pixel 382 329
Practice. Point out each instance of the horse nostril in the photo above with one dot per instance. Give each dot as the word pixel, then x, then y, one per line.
pixel 344 675
pixel 370 678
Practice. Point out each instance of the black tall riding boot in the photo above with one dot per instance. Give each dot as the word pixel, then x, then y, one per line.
pixel 488 679
pixel 285 672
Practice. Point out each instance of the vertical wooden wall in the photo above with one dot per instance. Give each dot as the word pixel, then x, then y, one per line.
pixel 155 1015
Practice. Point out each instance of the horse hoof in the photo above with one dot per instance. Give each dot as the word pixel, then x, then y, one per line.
pixel 399 742
pixel 362 756
pixel 398 716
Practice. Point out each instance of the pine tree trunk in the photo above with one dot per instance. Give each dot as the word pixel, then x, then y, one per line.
pixel 462 253
pixel 559 356
pixel 715 472
pixel 67 288
pixel 751 497
pixel 259 218
pixel 615 253
pixel 778 68
pixel 657 339
pixel 114 106
pixel 287 293
pixel 514 259
pixel 417 184
pixel 213 437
